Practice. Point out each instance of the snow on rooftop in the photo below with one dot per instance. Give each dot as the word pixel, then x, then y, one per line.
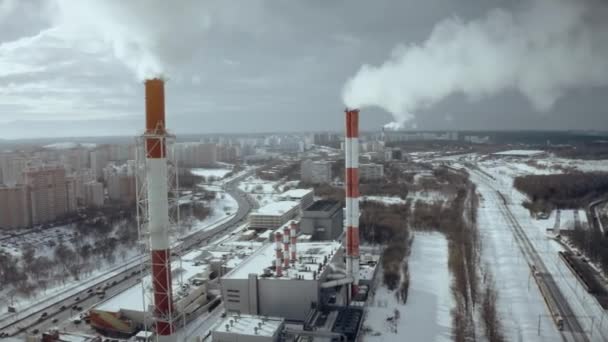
pixel 296 193
pixel 277 208
pixel 310 254
pixel 523 153
pixel 247 324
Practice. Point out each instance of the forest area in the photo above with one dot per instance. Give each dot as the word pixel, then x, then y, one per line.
pixel 455 217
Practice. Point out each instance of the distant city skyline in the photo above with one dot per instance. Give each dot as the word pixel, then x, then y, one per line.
pixel 261 67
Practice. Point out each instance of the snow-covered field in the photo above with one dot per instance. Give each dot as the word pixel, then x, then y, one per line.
pixel 426 315
pixel 413 196
pixel 217 173
pixel 264 191
pixel 518 304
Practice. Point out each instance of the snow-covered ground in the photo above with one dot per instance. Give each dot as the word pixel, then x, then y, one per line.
pixel 512 277
pixel 223 207
pixel 414 196
pixel 520 304
pixel 426 315
pixel 264 191
pixel 217 173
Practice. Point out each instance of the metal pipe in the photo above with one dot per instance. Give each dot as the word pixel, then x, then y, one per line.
pixel 338 282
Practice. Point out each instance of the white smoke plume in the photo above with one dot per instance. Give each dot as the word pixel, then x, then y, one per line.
pixel 542 49
pixel 148 36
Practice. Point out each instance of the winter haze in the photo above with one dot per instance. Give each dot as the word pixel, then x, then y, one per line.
pixel 70 68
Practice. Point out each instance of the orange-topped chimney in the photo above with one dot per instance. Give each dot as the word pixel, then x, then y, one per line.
pixel 155 117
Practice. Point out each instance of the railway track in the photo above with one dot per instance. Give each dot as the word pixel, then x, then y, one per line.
pixel 559 308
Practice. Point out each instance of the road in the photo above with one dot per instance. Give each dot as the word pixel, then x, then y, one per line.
pixel 62 308
pixel 555 299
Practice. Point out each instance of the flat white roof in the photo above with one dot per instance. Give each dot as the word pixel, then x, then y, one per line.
pixel 310 255
pixel 523 153
pixel 277 208
pixel 296 193
pixel 247 324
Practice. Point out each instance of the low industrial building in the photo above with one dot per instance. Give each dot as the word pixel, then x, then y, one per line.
pixel 304 196
pixel 274 215
pixel 237 328
pixel 371 172
pixel 131 311
pixel 323 220
pixel 256 287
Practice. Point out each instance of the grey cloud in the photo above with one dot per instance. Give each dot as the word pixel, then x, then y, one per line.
pixel 261 65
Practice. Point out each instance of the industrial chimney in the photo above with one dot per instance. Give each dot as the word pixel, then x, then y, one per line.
pixel 294 239
pixel 351 148
pixel 278 240
pixel 158 206
pixel 286 241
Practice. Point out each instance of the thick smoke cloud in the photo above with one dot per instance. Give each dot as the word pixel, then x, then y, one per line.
pixel 542 49
pixel 148 36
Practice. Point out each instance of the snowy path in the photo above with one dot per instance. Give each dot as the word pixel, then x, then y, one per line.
pixel 426 316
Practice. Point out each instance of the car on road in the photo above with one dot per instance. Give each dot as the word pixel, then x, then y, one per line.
pixel 55 320
pixel 63 307
pixel 90 290
pixel 77 298
pixel 35 331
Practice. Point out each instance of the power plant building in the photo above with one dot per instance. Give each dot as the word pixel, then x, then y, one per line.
pixel 255 287
pixel 323 220
pixel 236 328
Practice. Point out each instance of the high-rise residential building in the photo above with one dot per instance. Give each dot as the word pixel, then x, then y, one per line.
pixel 316 172
pixel 93 194
pixel 99 159
pixel 12 166
pixel 80 178
pixel 48 193
pixel 121 152
pixel 195 154
pixel 70 191
pixel 120 181
pixel 14 208
pixel 74 159
pixel 371 172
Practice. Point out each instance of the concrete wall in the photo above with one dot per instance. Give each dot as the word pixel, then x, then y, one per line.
pixel 288 298
pixel 330 224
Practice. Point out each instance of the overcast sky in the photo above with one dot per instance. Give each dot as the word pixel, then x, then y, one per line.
pixel 259 66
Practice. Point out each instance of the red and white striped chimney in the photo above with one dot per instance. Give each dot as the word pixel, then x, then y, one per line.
pixel 286 240
pixel 278 240
pixel 294 240
pixel 351 147
pixel 158 204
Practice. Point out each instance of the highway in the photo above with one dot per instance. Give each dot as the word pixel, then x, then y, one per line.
pixel 63 308
pixel 554 298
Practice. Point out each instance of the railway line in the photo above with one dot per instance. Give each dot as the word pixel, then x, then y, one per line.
pixel 560 311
